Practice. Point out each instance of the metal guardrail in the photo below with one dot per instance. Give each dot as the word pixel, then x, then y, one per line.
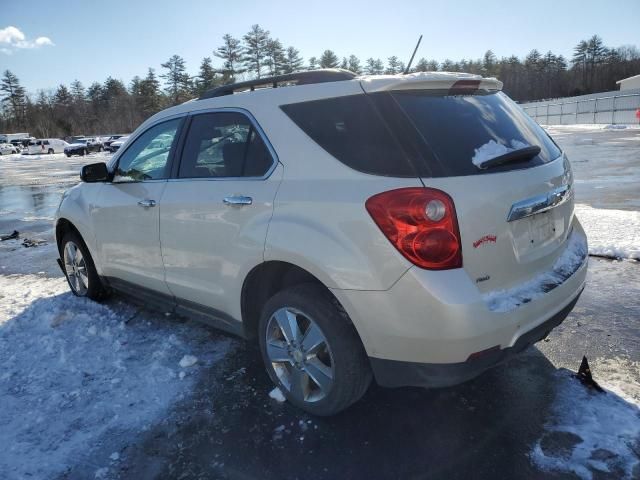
pixel 611 108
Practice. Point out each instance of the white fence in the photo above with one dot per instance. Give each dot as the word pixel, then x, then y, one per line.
pixel 608 107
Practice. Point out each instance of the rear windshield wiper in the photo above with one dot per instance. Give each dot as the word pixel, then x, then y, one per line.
pixel 519 155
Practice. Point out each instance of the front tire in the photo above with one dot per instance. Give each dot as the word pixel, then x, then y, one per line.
pixel 79 268
pixel 51 152
pixel 312 351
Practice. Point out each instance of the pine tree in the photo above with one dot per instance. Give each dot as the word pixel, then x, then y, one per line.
pixel 447 65
pixel 77 91
pixel 206 78
pixel 313 63
pixel 489 64
pixel 112 89
pixel 293 61
pixel 62 97
pixel 344 64
pixel 231 53
pixel 392 65
pixel 150 93
pixel 374 67
pixel 275 57
pixel 13 97
pixel 176 79
pixel 354 64
pixel 255 49
pixel 329 60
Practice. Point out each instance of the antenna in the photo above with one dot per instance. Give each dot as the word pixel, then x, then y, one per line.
pixel 406 70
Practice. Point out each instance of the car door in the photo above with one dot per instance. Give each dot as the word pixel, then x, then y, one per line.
pixel 126 214
pixel 214 215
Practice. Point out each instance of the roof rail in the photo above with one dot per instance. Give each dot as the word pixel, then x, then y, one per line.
pixel 297 78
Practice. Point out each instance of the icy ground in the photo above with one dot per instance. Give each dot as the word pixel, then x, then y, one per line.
pixel 81 383
pixel 75 371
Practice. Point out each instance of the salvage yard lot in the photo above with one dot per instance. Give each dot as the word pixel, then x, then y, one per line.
pixel 112 390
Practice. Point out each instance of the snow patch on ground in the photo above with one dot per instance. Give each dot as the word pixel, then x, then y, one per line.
pixel 493 149
pixel 611 233
pixel 277 395
pixel 188 361
pixel 75 373
pixel 592 432
pixel 566 264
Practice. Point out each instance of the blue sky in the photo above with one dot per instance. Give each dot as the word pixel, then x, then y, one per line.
pixel 92 40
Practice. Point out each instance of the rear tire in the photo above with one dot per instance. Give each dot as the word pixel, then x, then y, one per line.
pixel 79 268
pixel 50 152
pixel 323 368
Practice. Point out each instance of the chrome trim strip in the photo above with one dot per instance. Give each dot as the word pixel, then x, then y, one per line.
pixel 540 203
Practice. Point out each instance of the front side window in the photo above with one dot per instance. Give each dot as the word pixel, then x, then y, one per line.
pixel 223 144
pixel 147 157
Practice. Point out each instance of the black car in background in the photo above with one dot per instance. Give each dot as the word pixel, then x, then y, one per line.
pixel 83 146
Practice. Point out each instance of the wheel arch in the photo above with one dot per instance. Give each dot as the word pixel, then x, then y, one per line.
pixel 267 279
pixel 62 227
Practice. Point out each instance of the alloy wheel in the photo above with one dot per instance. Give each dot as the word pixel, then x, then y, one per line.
pixel 76 269
pixel 300 354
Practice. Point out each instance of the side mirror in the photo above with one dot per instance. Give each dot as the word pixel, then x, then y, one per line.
pixel 95 172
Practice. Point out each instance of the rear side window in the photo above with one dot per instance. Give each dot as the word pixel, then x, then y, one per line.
pixel 223 144
pixel 352 131
pixel 457 128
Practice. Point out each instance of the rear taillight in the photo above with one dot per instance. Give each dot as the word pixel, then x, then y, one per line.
pixel 421 223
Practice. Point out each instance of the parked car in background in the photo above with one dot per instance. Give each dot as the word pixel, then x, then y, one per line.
pixel 44 145
pixel 112 138
pixel 83 146
pixel 95 144
pixel 20 144
pixel 9 137
pixel 7 149
pixel 115 145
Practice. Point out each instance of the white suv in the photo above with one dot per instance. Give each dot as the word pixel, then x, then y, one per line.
pixel 414 228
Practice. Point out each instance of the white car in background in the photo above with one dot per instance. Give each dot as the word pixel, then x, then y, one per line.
pixel 116 144
pixel 7 149
pixel 416 229
pixel 45 146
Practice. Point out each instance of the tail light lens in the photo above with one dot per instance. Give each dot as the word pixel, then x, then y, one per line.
pixel 421 223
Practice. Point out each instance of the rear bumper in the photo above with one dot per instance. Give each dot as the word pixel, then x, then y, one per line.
pixel 427 326
pixel 392 373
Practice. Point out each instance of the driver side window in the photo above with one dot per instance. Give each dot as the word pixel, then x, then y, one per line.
pixel 146 158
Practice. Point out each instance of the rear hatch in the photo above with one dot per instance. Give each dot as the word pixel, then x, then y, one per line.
pixel 453 135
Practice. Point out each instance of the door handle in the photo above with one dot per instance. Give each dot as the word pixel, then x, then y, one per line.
pixel 147 203
pixel 238 200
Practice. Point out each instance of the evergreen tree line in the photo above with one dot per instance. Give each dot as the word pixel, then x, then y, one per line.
pixel 113 107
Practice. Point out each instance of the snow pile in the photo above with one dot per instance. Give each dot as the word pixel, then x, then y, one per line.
pixel 611 233
pixel 567 263
pixel 493 149
pixel 592 432
pixel 75 374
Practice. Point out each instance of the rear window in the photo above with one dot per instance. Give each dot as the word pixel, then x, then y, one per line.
pixel 426 133
pixel 459 129
pixel 350 128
